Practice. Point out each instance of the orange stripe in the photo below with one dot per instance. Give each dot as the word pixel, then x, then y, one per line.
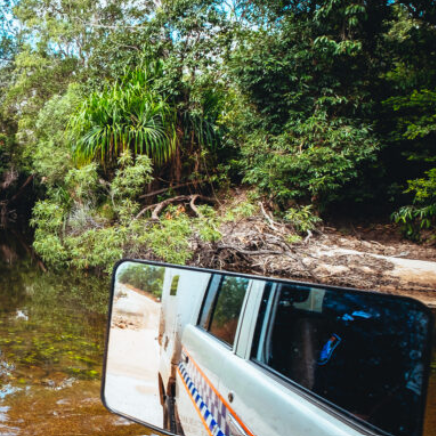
pixel 219 396
pixel 194 403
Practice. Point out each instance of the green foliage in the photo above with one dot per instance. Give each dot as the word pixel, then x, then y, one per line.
pixel 242 210
pixel 174 285
pixel 97 249
pixel 294 239
pixel 51 248
pixel 419 113
pixel 311 103
pixel 311 161
pixel 49 216
pixel 169 240
pixel 302 218
pixel 128 115
pixel 229 302
pixel 307 127
pixel 49 151
pixel 422 214
pixel 128 183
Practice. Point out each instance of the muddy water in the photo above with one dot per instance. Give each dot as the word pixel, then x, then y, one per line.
pixel 52 331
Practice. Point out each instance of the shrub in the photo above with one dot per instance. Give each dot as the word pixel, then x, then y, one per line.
pixel 421 215
pixel 302 218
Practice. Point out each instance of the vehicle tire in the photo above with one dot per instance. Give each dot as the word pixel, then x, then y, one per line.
pixel 169 419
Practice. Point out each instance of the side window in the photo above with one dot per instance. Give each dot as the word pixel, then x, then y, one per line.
pixel 174 285
pixel 222 306
pixel 357 353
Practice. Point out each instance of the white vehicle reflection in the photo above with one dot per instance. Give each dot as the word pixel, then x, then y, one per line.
pixel 206 353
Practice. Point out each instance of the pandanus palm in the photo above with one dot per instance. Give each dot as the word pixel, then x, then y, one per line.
pixel 127 115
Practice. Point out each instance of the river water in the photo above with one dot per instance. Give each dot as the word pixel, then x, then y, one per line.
pixel 52 329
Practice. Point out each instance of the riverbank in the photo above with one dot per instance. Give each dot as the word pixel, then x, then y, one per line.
pixel 242 235
pixel 374 257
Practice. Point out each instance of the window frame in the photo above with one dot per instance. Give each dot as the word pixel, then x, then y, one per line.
pixel 200 322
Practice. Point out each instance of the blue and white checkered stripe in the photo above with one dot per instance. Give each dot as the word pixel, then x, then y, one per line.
pixel 206 404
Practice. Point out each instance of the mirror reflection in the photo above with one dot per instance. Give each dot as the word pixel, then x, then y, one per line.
pixel 204 353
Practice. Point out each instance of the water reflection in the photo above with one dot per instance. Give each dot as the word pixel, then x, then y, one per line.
pixel 51 345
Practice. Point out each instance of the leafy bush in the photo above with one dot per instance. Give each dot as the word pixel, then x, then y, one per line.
pixel 302 218
pixel 313 160
pixel 422 214
pixel 50 151
pixel 128 183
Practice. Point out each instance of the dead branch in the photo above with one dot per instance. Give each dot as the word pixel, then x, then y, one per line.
pixel 21 190
pixel 248 252
pixel 157 208
pixel 193 207
pixel 181 185
pixel 269 220
pixel 307 238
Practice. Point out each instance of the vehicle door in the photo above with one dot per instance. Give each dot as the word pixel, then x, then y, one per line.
pixel 310 363
pixel 205 347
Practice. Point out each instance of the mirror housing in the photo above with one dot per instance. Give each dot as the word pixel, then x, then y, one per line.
pixel 199 352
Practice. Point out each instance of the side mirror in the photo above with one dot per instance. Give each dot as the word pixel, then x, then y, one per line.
pixel 209 353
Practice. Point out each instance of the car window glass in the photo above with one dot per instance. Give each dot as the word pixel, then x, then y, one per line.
pixel 206 311
pixel 222 307
pixel 361 355
pixel 174 285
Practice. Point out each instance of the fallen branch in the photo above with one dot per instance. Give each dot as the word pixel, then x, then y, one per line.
pixel 270 221
pixel 193 207
pixel 157 208
pixel 307 238
pixel 181 185
pixel 20 191
pixel 248 252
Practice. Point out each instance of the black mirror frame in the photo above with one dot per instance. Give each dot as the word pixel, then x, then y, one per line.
pixel 370 428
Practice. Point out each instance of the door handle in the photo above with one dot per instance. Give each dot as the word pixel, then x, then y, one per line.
pixel 234 427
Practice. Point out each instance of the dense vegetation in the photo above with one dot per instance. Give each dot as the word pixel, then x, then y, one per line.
pixel 112 107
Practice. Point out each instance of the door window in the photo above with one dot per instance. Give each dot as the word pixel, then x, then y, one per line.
pixel 360 352
pixel 222 306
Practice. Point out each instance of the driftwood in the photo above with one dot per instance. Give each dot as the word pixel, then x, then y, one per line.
pixel 158 207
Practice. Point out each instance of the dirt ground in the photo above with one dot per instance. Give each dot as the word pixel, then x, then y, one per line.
pixel 373 258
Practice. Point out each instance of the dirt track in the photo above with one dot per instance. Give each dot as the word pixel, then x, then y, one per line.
pixel 132 372
pixel 409 277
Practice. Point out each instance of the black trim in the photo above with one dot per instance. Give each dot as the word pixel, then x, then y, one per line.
pixel 200 314
pixel 299 389
pixel 214 303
